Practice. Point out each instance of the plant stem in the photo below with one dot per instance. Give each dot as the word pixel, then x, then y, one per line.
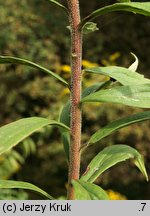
pixel 76 57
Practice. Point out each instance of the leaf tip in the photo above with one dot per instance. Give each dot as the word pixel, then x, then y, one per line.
pixel 133 67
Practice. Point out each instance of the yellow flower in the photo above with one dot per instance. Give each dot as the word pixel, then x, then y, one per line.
pixel 66 68
pixel 107 78
pixel 114 56
pixel 2 159
pixel 66 91
pixel 113 195
pixel 111 60
pixel 105 62
pixel 88 64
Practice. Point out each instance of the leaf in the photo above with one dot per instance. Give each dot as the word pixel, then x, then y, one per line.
pixel 89 27
pixel 136 96
pixel 9 184
pixel 133 67
pixel 109 157
pixel 15 60
pixel 13 133
pixel 94 88
pixel 58 4
pixel 123 75
pixel 65 114
pixel 65 119
pixel 87 191
pixel 116 125
pixel 65 136
pixel 135 7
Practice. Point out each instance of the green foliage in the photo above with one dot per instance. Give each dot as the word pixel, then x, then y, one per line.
pixel 135 7
pixel 120 123
pixel 89 27
pixel 14 60
pixel 87 191
pixel 13 133
pixel 137 96
pixel 122 75
pixel 109 157
pixel 23 185
pixel 58 4
pixel 10 163
pixel 10 194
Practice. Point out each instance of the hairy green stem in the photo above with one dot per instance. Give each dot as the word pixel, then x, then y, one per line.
pixel 76 57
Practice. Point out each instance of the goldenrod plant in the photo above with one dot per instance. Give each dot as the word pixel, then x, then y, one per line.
pixel 125 86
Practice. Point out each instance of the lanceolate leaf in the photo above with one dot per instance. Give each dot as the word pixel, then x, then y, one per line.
pixel 123 75
pixel 15 60
pixel 13 133
pixel 94 88
pixel 116 125
pixel 65 137
pixel 65 114
pixel 135 7
pixel 136 96
pixel 58 4
pixel 109 157
pixel 9 184
pixel 65 119
pixel 87 191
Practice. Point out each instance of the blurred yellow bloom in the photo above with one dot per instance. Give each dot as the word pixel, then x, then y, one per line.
pixel 66 68
pixel 2 158
pixel 111 60
pixel 88 64
pixel 113 195
pixel 85 63
pixel 97 104
pixel 114 56
pixel 105 62
pixel 66 91
pixel 107 78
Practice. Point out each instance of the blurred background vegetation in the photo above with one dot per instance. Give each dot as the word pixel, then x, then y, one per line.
pixel 37 31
